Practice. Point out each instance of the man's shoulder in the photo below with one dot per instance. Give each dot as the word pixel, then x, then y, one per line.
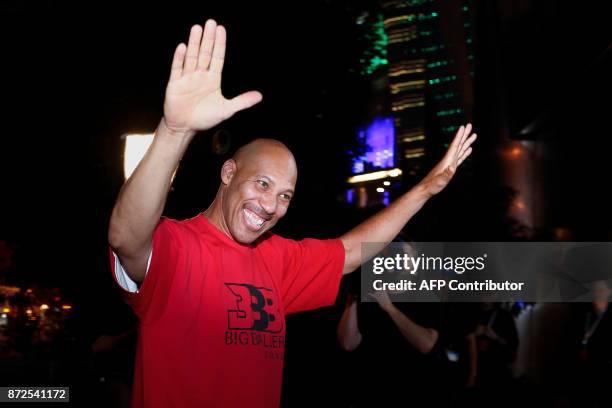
pixel 180 229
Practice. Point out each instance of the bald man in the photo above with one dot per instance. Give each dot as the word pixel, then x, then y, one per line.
pixel 212 292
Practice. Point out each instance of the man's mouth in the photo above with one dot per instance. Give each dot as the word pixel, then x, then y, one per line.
pixel 253 220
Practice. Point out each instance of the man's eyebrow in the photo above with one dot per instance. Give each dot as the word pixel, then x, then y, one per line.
pixel 265 177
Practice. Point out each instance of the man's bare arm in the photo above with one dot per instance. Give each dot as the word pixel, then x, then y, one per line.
pixel 193 102
pixel 384 226
pixel 420 337
pixel 348 332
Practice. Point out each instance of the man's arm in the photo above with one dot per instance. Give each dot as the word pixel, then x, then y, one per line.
pixel 193 102
pixel 472 360
pixel 384 226
pixel 348 332
pixel 422 338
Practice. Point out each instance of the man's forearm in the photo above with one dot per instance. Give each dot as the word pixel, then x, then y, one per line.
pixel 382 227
pixel 422 338
pixel 143 196
pixel 349 335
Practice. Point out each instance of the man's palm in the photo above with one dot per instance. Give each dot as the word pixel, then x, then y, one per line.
pixel 193 97
pixel 439 177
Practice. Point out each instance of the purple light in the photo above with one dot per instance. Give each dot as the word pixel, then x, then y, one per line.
pixel 379 138
pixel 349 196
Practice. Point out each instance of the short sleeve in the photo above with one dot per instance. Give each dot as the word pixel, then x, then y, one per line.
pixel 149 301
pixel 312 273
pixel 122 277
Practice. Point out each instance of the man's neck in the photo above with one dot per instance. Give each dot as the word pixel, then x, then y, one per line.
pixel 214 214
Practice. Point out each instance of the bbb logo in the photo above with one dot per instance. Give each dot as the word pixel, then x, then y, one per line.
pixel 255 309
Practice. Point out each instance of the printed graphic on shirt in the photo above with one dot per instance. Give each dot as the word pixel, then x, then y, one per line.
pixel 254 319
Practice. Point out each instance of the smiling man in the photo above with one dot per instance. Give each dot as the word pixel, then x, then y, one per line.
pixel 212 292
pixel 263 176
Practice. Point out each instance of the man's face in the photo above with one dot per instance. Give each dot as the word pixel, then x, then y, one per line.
pixel 258 194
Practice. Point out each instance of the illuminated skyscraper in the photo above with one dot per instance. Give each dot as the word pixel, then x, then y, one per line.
pixel 419 61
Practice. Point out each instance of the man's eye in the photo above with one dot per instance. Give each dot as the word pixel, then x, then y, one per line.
pixel 286 197
pixel 263 183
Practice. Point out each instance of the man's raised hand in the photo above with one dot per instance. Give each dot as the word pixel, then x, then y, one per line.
pixel 193 96
pixel 458 151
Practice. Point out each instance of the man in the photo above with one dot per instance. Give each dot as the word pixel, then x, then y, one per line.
pixel 212 292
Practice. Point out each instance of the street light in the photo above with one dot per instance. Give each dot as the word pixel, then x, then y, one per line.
pixel 136 145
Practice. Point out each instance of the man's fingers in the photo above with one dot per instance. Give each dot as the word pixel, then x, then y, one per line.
pixel 466 145
pixel 244 101
pixel 193 49
pixel 466 133
pixel 454 146
pixel 464 156
pixel 177 62
pixel 208 39
pixel 218 53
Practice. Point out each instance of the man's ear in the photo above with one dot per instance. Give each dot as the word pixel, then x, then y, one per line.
pixel 228 171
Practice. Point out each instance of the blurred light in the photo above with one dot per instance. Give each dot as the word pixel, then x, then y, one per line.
pixel 136 145
pixel 349 196
pixel 386 183
pixel 362 197
pixel 386 198
pixel 44 307
pixel 6 310
pixel 57 298
pixel 29 291
pixel 380 190
pixel 29 311
pixel 66 307
pixel 379 138
pixel 515 152
pixel 377 175
pixel 3 315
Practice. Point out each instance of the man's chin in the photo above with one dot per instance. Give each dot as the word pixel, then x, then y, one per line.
pixel 248 237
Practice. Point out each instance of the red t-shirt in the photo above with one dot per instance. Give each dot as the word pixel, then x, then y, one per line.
pixel 212 313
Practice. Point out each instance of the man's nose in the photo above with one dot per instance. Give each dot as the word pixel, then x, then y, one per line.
pixel 268 203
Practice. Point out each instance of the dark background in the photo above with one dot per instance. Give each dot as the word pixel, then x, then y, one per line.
pixel 75 78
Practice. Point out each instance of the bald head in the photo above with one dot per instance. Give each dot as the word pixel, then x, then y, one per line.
pixel 265 149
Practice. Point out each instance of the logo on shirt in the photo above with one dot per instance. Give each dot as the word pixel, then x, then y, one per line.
pixel 255 309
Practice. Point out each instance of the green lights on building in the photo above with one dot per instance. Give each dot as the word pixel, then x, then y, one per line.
pixel 449 112
pixel 376 54
pixel 450 129
pixel 447 95
pixel 413 3
pixel 435 81
pixel 439 63
pixel 433 48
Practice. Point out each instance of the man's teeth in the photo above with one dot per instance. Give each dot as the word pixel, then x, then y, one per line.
pixel 253 219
